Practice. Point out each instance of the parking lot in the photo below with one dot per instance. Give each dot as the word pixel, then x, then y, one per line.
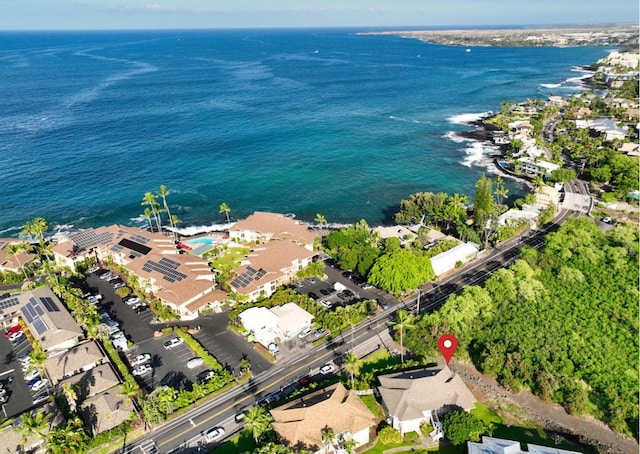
pixel 170 366
pixel 19 397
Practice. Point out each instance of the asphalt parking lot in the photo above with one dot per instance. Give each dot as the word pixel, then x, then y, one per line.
pixel 20 397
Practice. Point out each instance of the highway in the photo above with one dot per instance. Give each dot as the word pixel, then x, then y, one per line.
pixel 183 434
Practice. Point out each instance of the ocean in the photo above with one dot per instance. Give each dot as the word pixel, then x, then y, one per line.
pixel 291 121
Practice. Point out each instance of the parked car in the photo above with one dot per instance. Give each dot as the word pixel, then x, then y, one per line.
pixel 327 369
pixel 174 342
pixel 93 269
pixel 143 369
pixel 140 307
pixel 327 304
pixel 131 300
pixel 383 304
pixel 195 362
pixel 107 276
pixel 139 360
pixel 213 434
pixel 35 373
pixel 14 337
pixel 366 286
pixel 40 384
pixel 313 295
pixel 117 284
pixel 117 335
pixel 320 332
pixel 305 332
pixel 12 330
pixel 206 375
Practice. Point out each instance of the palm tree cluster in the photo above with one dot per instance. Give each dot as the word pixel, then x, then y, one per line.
pixel 153 212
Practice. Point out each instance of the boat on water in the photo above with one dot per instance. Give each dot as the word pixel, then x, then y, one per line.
pixel 467 50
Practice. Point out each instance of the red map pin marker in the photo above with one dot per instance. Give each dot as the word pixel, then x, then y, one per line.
pixel 447 344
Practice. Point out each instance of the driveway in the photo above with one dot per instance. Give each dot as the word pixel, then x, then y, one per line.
pixel 12 378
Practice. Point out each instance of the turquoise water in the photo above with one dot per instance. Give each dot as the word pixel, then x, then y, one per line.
pixel 201 241
pixel 292 121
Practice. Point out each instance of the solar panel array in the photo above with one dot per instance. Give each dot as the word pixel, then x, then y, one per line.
pixel 49 304
pixel 8 302
pixel 166 267
pixel 134 246
pixel 86 239
pixel 251 274
pixel 140 239
pixel 32 313
pixel 117 248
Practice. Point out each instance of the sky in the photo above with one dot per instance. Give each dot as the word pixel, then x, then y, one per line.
pixel 185 14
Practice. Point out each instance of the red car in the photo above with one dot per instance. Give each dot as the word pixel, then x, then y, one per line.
pixel 12 330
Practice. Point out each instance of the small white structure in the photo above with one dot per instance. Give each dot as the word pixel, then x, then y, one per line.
pixel 277 324
pixel 536 167
pixel 447 260
pixel 492 445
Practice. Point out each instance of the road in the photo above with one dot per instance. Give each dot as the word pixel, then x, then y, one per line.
pixel 183 434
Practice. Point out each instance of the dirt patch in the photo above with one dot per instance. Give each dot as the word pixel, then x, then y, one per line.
pixel 549 416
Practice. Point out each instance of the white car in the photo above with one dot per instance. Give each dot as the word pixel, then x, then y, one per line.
pixel 140 360
pixel 142 370
pixel 171 343
pixel 15 336
pixel 305 332
pixel 327 369
pixel 195 362
pixel 132 300
pixel 37 386
pixel 213 434
pixel 31 375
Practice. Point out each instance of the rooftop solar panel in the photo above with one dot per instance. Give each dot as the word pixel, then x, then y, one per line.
pixel 8 302
pixel 134 246
pixel 50 305
pixel 260 273
pixel 40 326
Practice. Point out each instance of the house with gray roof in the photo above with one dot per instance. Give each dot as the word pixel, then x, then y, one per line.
pixel 492 445
pixel 106 410
pixel 81 358
pixel 413 397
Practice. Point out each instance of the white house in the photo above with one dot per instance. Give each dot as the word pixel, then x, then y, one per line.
pixel 277 324
pixel 536 167
pixel 446 261
pixel 492 445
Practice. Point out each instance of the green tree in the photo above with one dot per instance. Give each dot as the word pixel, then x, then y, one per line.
pixel 152 201
pixel 147 214
pixel 71 395
pixel 352 366
pixel 129 390
pixel 400 271
pixel 460 427
pixel 484 207
pixel 33 423
pixel 388 435
pixel 404 321
pixel 14 250
pixel 321 220
pixel 163 193
pixel 224 208
pixel 257 422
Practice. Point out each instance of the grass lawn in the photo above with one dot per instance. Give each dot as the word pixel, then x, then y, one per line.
pixel 410 439
pixel 230 258
pixel 372 404
pixel 241 443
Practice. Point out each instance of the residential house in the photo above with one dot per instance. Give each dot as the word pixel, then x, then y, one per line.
pixel 413 397
pixel 630 149
pixel 49 321
pixel 604 126
pixel 520 128
pixel 490 445
pixel 93 381
pixel 12 441
pixel 292 319
pixel 106 410
pixel 301 423
pixel 537 167
pixel 267 267
pixel 81 358
pixel 262 227
pixel 13 263
pixel 448 260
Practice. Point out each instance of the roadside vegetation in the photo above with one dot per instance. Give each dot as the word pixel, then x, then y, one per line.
pixel 561 322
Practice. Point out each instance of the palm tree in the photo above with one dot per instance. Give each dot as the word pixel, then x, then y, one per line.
pixel 175 221
pixel 404 321
pixel 38 357
pixel 257 422
pixel 224 208
pixel 128 390
pixel 352 366
pixel 164 192
pixel 147 215
pixel 327 438
pixel 72 396
pixel 501 193
pixel 152 201
pixel 33 423
pixel 321 220
pixel 15 249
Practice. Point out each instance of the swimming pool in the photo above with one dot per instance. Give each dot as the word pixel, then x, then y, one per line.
pixel 201 241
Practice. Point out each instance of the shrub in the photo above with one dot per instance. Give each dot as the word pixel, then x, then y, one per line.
pixel 388 435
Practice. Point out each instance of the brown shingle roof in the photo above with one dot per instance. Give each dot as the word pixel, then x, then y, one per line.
pixel 276 258
pixel 106 410
pixel 74 360
pixel 93 381
pixel 275 226
pixel 408 394
pixel 302 421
